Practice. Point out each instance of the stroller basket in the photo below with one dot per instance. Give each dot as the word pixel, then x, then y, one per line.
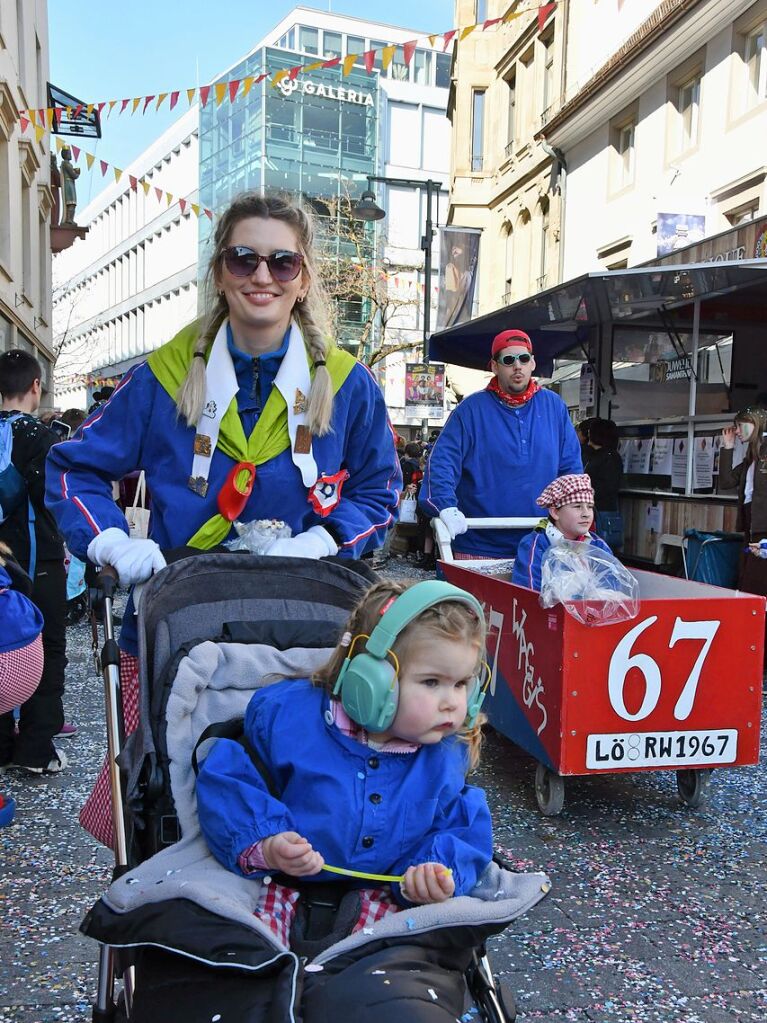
pixel 712 557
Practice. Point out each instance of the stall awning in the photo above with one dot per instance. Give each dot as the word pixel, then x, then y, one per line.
pixel 560 318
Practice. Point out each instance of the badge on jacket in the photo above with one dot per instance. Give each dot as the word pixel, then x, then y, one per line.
pixel 326 492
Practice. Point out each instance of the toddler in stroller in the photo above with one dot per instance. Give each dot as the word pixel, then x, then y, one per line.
pixel 368 764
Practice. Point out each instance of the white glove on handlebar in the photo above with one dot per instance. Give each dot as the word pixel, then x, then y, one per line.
pixel 314 543
pixel 134 560
pixel 454 520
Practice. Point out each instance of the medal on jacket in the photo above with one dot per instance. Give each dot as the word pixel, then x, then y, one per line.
pixel 326 492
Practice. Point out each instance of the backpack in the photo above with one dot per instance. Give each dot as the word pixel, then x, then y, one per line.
pixel 13 487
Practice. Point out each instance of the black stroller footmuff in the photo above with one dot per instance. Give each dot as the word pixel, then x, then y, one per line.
pixel 185 925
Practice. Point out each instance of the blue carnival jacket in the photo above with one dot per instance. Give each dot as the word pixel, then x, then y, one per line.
pixel 330 787
pixel 20 620
pixel 491 460
pixel 529 559
pixel 138 428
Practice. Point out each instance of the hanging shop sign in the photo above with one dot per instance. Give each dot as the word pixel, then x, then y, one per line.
pixel 310 88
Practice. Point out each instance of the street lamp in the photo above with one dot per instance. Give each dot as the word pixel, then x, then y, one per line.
pixel 366 208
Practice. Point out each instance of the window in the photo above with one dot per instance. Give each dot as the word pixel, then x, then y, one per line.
pixel 744 214
pixel 308 40
pixel 398 68
pixel 511 119
pixel 756 65
pixel 422 67
pixel 548 73
pixel 622 170
pixel 356 44
pixel 543 261
pixel 477 128
pixel 526 96
pixel 332 44
pixel 442 77
pixel 480 11
pixel 509 261
pixel 688 107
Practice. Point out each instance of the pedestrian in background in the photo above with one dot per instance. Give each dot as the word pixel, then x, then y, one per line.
pixel 256 382
pixel 32 535
pixel 750 478
pixel 604 466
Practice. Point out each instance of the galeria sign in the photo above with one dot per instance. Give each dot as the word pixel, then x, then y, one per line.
pixel 309 88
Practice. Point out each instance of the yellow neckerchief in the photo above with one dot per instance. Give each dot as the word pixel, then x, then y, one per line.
pixel 269 438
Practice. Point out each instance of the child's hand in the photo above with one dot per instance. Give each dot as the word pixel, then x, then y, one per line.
pixel 728 437
pixel 291 854
pixel 428 882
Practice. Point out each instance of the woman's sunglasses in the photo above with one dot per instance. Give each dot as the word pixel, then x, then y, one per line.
pixel 283 265
pixel 509 360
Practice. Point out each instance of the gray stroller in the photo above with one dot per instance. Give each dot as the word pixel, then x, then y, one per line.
pixel 178 927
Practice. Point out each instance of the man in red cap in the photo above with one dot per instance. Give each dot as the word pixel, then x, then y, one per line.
pixel 498 450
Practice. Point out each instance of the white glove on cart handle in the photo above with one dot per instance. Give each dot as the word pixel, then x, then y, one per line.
pixel 454 520
pixel 315 543
pixel 134 560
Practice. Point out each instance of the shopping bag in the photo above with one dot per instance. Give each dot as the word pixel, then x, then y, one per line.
pixel 138 514
pixel 407 509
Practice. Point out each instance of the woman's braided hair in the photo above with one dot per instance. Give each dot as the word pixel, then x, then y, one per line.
pixel 311 313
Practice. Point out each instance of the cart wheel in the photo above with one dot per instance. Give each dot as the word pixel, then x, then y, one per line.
pixel 549 791
pixel 693 786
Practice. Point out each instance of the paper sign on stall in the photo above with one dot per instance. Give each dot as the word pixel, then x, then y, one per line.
pixel 661 456
pixel 704 463
pixel 639 456
pixel 679 463
pixel 654 518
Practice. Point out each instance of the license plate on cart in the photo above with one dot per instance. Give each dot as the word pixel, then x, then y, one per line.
pixel 661 749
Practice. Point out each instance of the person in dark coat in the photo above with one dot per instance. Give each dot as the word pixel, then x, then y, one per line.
pixel 602 463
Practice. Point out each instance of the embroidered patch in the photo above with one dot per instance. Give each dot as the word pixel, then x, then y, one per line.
pixel 198 485
pixel 299 405
pixel 326 492
pixel 210 409
pixel 303 443
pixel 202 444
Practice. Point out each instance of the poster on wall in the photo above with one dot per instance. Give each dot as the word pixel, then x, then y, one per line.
pixel 661 456
pixel 639 456
pixel 458 262
pixel 425 390
pixel 676 230
pixel 679 463
pixel 703 463
pixel 588 387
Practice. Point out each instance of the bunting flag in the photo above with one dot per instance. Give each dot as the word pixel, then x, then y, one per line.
pixel 231 88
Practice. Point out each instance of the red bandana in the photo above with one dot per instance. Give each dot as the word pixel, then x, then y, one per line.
pixel 513 400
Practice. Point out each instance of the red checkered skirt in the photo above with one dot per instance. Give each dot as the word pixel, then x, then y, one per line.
pixel 277 908
pixel 96 813
pixel 20 674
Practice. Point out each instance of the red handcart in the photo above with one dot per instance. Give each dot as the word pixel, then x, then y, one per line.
pixel 678 687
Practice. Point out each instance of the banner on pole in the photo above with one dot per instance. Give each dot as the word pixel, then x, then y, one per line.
pixel 424 390
pixel 458 263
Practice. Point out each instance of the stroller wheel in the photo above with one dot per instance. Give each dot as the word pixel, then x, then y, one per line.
pixel 549 791
pixel 693 786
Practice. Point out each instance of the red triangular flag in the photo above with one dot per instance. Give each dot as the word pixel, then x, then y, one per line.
pixel 147 101
pixel 124 104
pixel 78 111
pixel 158 193
pixel 293 72
pixel 104 167
pixel 133 182
pixel 449 38
pixel 490 22
pixel 204 93
pixel 543 13
pixel 233 87
pixel 100 106
pixel 369 56
pixel 259 79
pixel 208 214
pixel 332 62
pixel 76 153
pixel 182 204
pixel 24 123
pixel 173 99
pixel 408 50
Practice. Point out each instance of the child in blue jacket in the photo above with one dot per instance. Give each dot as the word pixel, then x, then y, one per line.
pixel 368 784
pixel 570 503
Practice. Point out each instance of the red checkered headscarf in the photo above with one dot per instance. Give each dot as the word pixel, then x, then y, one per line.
pixel 573 489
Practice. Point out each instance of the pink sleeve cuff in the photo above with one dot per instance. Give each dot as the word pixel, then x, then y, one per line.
pixel 252 859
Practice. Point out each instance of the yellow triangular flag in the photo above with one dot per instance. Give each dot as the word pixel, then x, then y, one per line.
pixel 514 14
pixel 49 116
pixel 313 67
pixel 145 185
pixel 278 76
pixel 467 31
pixel 118 173
pixel 247 84
pixel 89 109
pixel 89 158
pixel 349 61
pixel 160 98
pixel 190 95
pixel 32 117
pixel 169 197
pixel 387 54
pixel 221 88
pixel 136 102
pixel 112 103
pixel 39 132
pixel 432 40
pixel 195 208
pixel 60 144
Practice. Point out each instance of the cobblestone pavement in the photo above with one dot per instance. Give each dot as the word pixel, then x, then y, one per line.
pixel 657 912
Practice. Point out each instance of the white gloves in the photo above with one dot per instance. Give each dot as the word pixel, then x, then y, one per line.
pixel 133 560
pixel 454 520
pixel 314 543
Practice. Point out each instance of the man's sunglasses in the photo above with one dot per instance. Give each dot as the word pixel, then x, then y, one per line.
pixel 283 265
pixel 510 360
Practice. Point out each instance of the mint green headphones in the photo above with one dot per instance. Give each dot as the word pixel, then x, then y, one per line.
pixel 368 682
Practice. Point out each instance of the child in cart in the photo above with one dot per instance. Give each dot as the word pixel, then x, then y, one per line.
pixel 569 501
pixel 363 767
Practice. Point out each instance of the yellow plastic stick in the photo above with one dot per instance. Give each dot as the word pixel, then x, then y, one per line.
pixel 374 877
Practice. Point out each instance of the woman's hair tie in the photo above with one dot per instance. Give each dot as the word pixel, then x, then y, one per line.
pixel 319 362
pixel 199 355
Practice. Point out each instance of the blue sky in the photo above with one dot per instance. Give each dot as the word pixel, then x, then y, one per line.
pixel 104 51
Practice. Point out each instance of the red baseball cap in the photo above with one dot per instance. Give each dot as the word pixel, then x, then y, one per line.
pixel 509 338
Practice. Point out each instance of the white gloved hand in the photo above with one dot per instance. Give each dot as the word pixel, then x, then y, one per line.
pixel 134 560
pixel 454 520
pixel 314 543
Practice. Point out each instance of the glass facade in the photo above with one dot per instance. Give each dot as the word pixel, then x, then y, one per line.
pixel 313 136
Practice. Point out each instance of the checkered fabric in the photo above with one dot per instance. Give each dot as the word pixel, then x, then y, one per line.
pixel 96 813
pixel 277 908
pixel 20 672
pixel 573 489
